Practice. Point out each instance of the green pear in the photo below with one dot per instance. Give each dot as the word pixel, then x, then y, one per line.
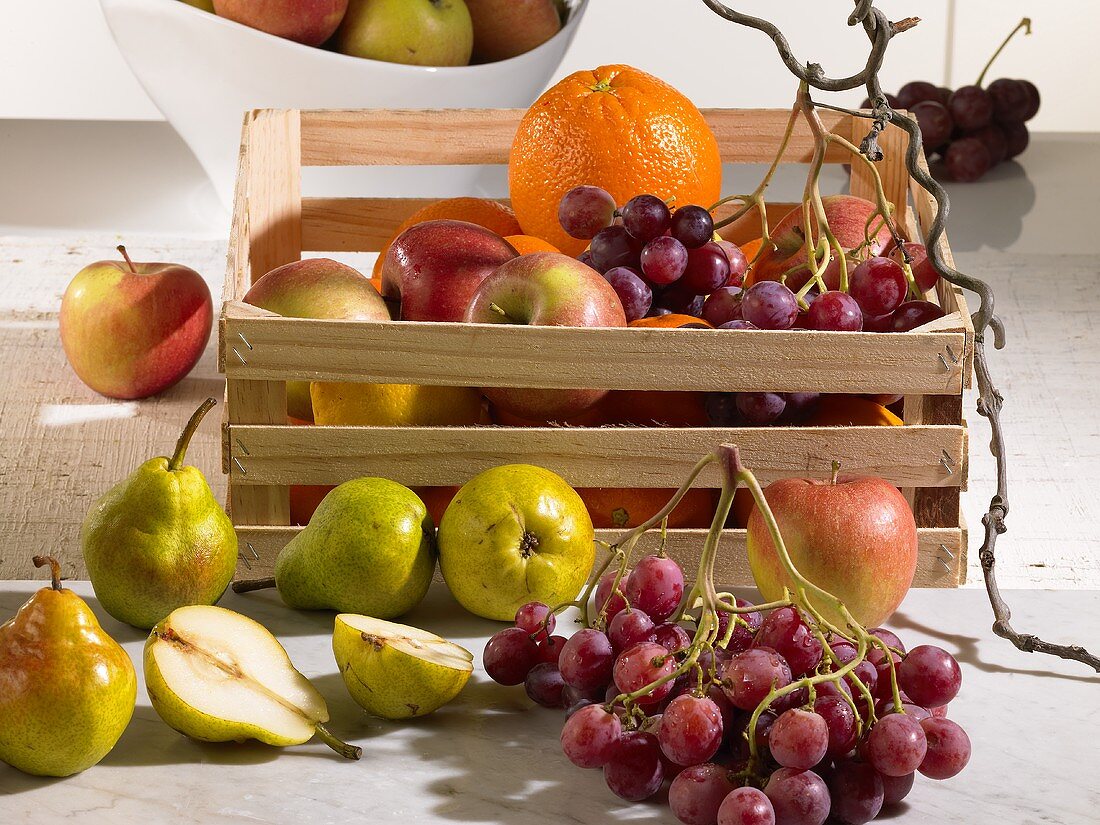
pixel 67 689
pixel 368 548
pixel 515 534
pixel 159 539
pixel 218 676
pixel 416 32
pixel 395 671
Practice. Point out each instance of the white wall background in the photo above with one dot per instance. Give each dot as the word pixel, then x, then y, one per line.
pixel 57 59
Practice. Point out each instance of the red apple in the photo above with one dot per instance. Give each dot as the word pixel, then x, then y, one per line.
pixel 546 289
pixel 436 266
pixel 316 288
pixel 311 22
pixel 855 538
pixel 133 330
pixel 847 216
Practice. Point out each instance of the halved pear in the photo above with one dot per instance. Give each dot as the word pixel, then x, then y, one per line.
pixel 396 671
pixel 218 676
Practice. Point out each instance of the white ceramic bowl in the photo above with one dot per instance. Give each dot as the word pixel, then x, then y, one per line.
pixel 203 72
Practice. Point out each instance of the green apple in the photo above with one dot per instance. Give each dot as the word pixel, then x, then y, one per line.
pixel 316 288
pixel 515 534
pixel 416 32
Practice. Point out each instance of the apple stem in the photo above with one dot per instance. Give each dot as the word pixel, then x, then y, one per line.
pixel 176 461
pixel 55 569
pixel 341 747
pixel 253 584
pixel 836 472
pixel 499 310
pixel 126 256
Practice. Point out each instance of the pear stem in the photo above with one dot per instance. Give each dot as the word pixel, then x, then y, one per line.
pixel 55 569
pixel 126 256
pixel 253 584
pixel 176 461
pixel 343 748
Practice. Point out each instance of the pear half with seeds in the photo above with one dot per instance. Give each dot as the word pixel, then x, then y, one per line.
pixel 396 671
pixel 218 676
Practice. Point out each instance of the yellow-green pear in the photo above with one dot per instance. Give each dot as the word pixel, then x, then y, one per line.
pixel 515 534
pixel 396 671
pixel 218 676
pixel 368 548
pixel 159 539
pixel 67 689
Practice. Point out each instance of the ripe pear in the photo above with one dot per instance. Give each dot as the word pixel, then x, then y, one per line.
pixel 395 671
pixel 218 676
pixel 67 689
pixel 368 548
pixel 159 539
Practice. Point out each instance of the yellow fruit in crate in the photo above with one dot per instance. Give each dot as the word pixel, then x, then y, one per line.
pixel 394 405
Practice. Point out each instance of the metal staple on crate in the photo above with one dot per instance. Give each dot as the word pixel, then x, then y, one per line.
pixel 244 559
pixel 946 567
pixel 240 466
pixel 947 462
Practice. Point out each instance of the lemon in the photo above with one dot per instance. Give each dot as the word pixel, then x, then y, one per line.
pixel 394 405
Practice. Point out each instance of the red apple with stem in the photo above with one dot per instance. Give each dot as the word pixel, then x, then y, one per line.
pixel 436 266
pixel 133 330
pixel 847 216
pixel 311 22
pixel 854 536
pixel 546 289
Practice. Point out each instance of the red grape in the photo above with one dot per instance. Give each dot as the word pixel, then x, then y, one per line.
pixel 671 637
pixel 878 285
pixel 930 675
pixel 656 586
pixel 800 405
pixel 721 409
pixel 993 136
pixel 550 649
pixel 798 739
pixel 769 305
pixel 948 748
pixel 967 159
pixel 1032 100
pixel 923 272
pixel 634 771
pixel 590 736
pixel 697 792
pixel 896 745
pixel 723 305
pixel 840 722
pixel 746 806
pixel 645 217
pixel 884 707
pixel 544 685
pixel 630 627
pixel 585 210
pixel 760 408
pixel 785 632
pixel 856 791
pixel 603 597
pixel 1011 100
pixel 576 699
pixel 634 293
pixel 509 656
pixel 536 619
pixel 913 314
pixel 914 92
pixel 896 788
pixel 587 660
pixel 749 676
pixel 1016 135
pixel 708 268
pixel 679 299
pixel 691 730
pixel 641 665
pixel 888 636
pixel 935 123
pixel 835 311
pixel 692 226
pixel 739 264
pixel 866 673
pixel 799 797
pixel 612 247
pixel 746 626
pixel 940 712
pixel 971 107
pixel 664 260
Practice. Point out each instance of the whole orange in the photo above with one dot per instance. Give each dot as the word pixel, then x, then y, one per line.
pixel 673 320
pixel 851 411
pixel 526 244
pixel 615 127
pixel 491 214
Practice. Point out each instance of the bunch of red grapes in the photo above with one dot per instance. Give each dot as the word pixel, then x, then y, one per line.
pixel 661 261
pixel 819 751
pixel 972 129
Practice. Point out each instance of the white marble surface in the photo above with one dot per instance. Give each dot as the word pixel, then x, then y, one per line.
pixel 492 756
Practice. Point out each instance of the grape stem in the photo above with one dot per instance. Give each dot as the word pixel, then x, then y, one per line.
pixel 1024 24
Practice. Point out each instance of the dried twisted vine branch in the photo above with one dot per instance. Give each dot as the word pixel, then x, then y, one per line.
pixel 880 30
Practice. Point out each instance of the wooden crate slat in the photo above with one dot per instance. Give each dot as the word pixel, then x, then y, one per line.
pixel 731 566
pixel 589 457
pixel 572 357
pixel 410 137
pixel 254 401
pixel 274 196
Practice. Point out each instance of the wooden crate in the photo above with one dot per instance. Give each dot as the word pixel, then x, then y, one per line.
pixel 273 225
